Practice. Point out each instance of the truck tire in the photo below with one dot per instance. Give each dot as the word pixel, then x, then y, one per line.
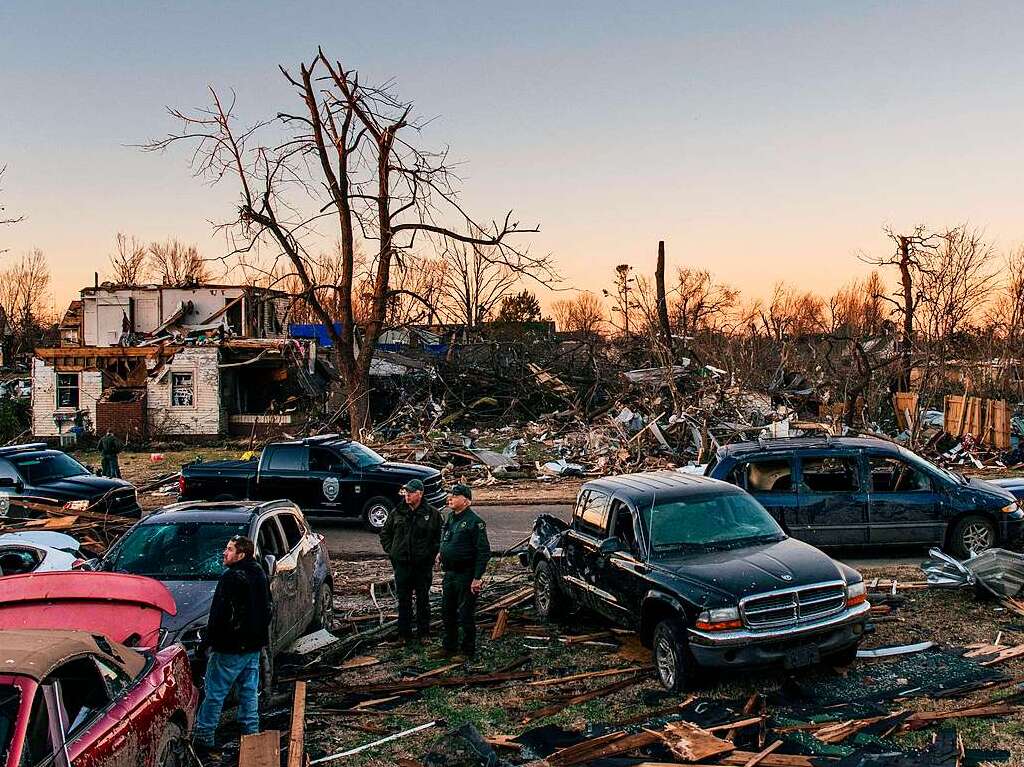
pixel 172 749
pixel 972 534
pixel 376 512
pixel 548 599
pixel 673 661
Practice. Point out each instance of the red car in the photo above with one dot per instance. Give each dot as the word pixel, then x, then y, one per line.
pixel 78 686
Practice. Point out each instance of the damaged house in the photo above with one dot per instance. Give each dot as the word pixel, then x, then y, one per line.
pixel 153 360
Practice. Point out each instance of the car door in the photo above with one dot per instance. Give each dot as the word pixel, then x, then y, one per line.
pixel 904 506
pixel 770 480
pixel 96 724
pixel 620 575
pixel 833 499
pixel 283 473
pixel 330 483
pixel 294 538
pixel 283 581
pixel 580 544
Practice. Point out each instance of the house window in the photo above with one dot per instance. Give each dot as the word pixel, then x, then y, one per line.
pixel 67 390
pixel 182 390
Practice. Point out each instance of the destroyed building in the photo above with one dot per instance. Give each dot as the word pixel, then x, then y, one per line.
pixel 148 361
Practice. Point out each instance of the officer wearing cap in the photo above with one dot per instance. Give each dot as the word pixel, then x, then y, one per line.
pixel 411 537
pixel 463 556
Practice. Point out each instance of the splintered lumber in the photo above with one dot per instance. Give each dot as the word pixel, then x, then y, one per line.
pixel 575 700
pixel 586 637
pixel 611 744
pixel 511 600
pixel 740 759
pixel 422 684
pixel 760 756
pixel 999 653
pixel 365 746
pixel 437 671
pixel 297 732
pixel 691 743
pixel 922 719
pixel 500 625
pixel 361 661
pixel 748 708
pixel 736 725
pixel 260 750
pixel 589 675
pixel 837 732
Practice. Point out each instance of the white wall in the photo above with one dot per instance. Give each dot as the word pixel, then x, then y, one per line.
pixel 206 416
pixel 44 398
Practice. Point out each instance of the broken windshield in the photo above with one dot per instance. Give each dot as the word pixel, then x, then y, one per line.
pixel 360 456
pixel 708 522
pixel 37 468
pixel 181 551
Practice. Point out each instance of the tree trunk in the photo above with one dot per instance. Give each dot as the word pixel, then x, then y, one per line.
pixel 659 279
pixel 907 346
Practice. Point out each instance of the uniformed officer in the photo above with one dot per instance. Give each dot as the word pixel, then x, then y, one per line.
pixel 464 554
pixel 411 537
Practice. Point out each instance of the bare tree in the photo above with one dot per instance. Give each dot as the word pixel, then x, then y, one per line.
pixel 700 303
pixel 4 218
pixel 625 298
pixel 174 263
pixel 128 261
pixel 25 298
pixel 584 314
pixel 347 159
pixel 473 284
pixel 956 281
pixel 1006 315
pixel 857 310
pixel 792 313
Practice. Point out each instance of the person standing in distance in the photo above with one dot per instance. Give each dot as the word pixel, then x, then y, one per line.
pixel 411 537
pixel 238 629
pixel 464 553
pixel 110 446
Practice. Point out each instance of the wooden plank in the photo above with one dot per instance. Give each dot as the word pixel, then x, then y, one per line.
pixel 89 354
pixel 297 731
pixel 588 675
pixel 691 743
pixel 260 750
pixel 760 756
pixel 600 692
pixel 500 625
pixel 740 758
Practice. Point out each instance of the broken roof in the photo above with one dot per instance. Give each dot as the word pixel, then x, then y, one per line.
pixel 37 653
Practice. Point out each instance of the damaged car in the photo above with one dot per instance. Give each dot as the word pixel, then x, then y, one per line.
pixel 38 551
pixel 182 547
pixel 81 682
pixel 701 571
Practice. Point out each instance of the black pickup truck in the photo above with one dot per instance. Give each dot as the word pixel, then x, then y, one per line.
pixel 701 571
pixel 326 476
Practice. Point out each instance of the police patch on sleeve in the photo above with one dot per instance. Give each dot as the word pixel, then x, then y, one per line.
pixel 331 488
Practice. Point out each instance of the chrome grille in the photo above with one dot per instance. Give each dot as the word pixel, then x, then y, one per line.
pixel 794 606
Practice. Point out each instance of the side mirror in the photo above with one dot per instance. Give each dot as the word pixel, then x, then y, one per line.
pixel 610 546
pixel 270 565
pixel 12 482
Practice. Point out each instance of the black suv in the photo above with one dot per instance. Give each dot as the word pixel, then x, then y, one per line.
pixel 35 472
pixel 701 570
pixel 862 491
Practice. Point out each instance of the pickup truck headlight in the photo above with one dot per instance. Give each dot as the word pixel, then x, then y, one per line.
pixel 1010 508
pixel 856 593
pixel 720 619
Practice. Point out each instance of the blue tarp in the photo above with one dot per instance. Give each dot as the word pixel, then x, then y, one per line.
pixel 317 333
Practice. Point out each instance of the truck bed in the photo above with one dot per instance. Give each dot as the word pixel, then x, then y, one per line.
pixel 213 467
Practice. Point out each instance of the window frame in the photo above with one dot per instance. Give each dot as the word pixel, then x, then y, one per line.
pixel 856 458
pixel 277 532
pixel 59 387
pixel 869 457
pixel 586 527
pixel 275 450
pixel 298 527
pixel 743 466
pixel 170 382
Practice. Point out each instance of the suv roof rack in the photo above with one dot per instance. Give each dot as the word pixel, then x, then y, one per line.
pixel 324 438
pixel 25 447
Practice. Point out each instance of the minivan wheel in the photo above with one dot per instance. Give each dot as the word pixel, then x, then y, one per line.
pixel 376 512
pixel 673 661
pixel 972 535
pixel 547 596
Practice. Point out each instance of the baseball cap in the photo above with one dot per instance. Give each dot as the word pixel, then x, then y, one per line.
pixel 464 490
pixel 413 485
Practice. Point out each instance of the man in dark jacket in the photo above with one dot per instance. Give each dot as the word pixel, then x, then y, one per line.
pixel 110 446
pixel 464 554
pixel 411 537
pixel 238 629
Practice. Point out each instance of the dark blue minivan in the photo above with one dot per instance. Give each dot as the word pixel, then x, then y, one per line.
pixel 861 491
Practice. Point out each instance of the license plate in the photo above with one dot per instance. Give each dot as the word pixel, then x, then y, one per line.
pixel 801 656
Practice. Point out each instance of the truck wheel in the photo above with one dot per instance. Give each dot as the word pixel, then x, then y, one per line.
pixel 172 749
pixel 323 609
pixel 972 535
pixel 376 512
pixel 548 598
pixel 672 658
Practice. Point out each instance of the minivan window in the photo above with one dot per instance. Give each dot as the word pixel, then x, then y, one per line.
pixel 767 475
pixel 891 475
pixel 831 473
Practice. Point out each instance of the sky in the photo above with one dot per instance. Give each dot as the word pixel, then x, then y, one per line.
pixel 763 141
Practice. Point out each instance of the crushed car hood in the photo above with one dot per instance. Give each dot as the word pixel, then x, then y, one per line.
pixel 738 573
pixel 193 599
pixel 124 608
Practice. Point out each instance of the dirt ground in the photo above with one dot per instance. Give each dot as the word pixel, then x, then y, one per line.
pixel 949 618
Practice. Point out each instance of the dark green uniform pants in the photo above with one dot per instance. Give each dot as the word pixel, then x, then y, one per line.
pixel 413 578
pixel 458 606
pixel 111 467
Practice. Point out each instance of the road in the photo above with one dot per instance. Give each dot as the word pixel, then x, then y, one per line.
pixel 508 525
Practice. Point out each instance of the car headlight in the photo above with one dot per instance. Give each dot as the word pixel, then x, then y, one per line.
pixel 856 593
pixel 719 619
pixel 1010 508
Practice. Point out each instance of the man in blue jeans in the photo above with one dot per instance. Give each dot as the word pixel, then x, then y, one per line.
pixel 239 627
